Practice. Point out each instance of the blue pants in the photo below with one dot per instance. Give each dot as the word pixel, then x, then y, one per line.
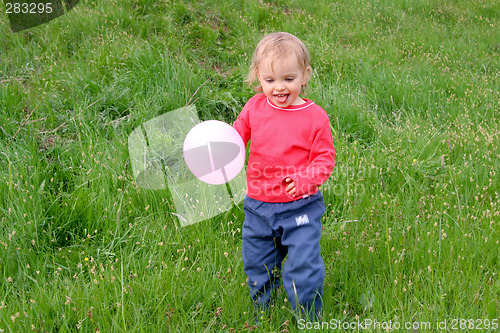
pixel 273 230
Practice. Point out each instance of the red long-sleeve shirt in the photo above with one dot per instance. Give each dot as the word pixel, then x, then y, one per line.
pixel 293 142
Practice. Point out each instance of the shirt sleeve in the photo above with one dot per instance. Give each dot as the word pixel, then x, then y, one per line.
pixel 322 161
pixel 242 124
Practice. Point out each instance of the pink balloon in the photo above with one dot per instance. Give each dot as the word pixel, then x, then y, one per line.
pixel 214 152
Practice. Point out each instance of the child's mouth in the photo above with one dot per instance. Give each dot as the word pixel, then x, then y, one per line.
pixel 281 98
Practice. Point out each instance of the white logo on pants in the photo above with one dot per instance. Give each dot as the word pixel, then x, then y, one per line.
pixel 303 219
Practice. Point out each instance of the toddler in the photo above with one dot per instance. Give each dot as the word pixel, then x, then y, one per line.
pixel 291 154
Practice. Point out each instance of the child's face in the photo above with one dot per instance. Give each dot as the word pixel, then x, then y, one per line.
pixel 282 80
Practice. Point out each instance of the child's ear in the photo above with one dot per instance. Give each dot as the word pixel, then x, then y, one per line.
pixel 307 75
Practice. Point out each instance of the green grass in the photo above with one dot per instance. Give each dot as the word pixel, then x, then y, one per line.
pixel 412 228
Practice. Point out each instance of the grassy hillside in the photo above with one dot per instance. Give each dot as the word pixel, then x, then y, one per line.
pixel 412 229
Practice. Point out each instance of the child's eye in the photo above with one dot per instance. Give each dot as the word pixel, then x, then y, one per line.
pixel 289 79
pixel 269 80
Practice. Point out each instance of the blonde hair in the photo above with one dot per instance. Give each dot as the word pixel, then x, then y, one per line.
pixel 275 46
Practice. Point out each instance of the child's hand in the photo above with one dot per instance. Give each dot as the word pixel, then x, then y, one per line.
pixel 290 187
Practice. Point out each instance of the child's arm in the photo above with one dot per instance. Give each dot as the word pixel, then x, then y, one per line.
pixel 305 181
pixel 241 125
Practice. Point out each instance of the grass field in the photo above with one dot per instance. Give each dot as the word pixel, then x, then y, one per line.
pixel 412 229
